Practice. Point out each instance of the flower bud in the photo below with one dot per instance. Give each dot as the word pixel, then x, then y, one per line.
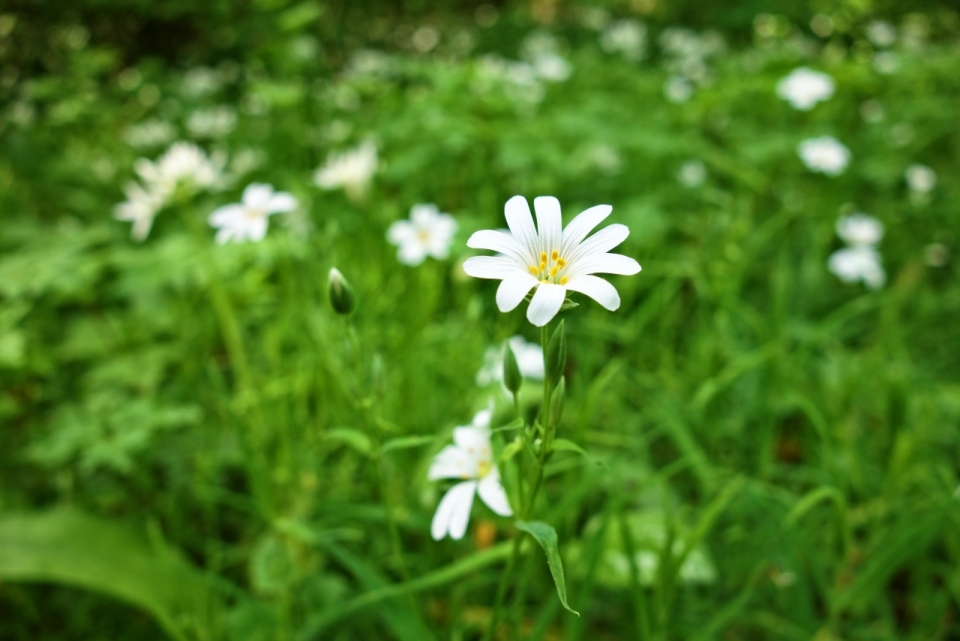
pixel 511 371
pixel 556 356
pixel 340 292
pixel 557 398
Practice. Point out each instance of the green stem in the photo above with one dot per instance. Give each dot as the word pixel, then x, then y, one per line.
pixel 502 588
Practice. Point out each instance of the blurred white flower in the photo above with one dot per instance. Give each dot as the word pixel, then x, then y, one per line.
pixel 429 232
pixel 804 88
pixel 692 173
pixel 140 208
pixel 678 89
pixel 150 133
pixel 247 220
pixel 552 67
pixel 886 62
pixel 551 260
pixel 861 263
pixel 825 155
pixel 214 122
pixel 872 110
pixel 351 170
pixel 860 230
pixel 529 360
pixel 626 37
pixel 881 33
pixel 936 254
pixel 470 458
pixel 920 178
pixel 200 81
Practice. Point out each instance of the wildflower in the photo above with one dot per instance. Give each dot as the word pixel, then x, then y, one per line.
pixel 470 458
pixel 247 220
pixel 881 33
pixel 428 233
pixel 140 208
pixel 692 173
pixel 860 230
pixel 551 67
pixel 920 178
pixel 550 259
pixel 628 37
pixel 351 170
pixel 529 358
pixel 182 163
pixel 215 122
pixel 859 263
pixel 825 154
pixel 150 133
pixel 678 89
pixel 804 88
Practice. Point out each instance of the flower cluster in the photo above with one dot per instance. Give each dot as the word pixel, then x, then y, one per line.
pixel 859 261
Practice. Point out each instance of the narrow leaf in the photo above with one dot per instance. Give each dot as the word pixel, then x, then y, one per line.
pixel 546 536
pixel 354 438
pixel 406 442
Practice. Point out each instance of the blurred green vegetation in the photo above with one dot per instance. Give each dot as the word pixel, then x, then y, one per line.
pixel 188 429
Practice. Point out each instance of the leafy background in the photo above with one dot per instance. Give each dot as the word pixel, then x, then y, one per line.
pixel 190 448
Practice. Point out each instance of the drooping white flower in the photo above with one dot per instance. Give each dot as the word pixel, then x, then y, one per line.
pixel 470 458
pixel 351 170
pixel 550 259
pixel 804 88
pixel 921 178
pixel 247 220
pixel 858 263
pixel 825 155
pixel 429 232
pixel 860 230
pixel 529 358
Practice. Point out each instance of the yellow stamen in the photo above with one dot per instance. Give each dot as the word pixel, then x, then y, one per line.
pixel 543 257
pixel 534 270
pixel 553 272
pixel 543 266
pixel 555 255
pixel 563 280
pixel 561 262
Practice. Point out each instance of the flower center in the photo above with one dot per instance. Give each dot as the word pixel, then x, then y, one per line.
pixel 252 213
pixel 423 235
pixel 550 268
pixel 483 467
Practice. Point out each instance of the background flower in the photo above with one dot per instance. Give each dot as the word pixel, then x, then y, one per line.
pixel 428 233
pixel 248 219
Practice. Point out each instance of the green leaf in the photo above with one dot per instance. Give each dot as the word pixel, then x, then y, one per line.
pixel 354 438
pixel 511 450
pixel 71 548
pixel 546 536
pixel 515 424
pixel 566 445
pixel 406 442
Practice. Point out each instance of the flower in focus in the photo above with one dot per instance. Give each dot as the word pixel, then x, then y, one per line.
pixel 825 155
pixel 247 220
pixel 804 88
pixel 351 170
pixel 921 179
pixel 550 259
pixel 429 232
pixel 529 360
pixel 470 458
pixel 860 230
pixel 861 263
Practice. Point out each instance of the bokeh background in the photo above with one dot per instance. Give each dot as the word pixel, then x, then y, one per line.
pixel 193 446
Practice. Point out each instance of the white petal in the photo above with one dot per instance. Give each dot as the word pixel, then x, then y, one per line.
pixel 520 221
pixel 497 241
pixel 224 235
pixel 453 513
pixel 222 215
pixel 545 304
pixel 481 420
pixel 256 228
pixel 412 253
pixel 598 289
pixel 549 222
pixel 281 202
pixel 601 242
pixel 495 267
pixel 605 264
pixel 513 289
pixel 401 231
pixel 491 492
pixel 257 195
pixel 582 225
pixel 474 441
pixel 453 462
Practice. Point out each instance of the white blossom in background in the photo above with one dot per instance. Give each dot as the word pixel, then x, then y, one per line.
pixel 825 155
pixel 429 232
pixel 687 53
pixel 552 67
pixel 853 264
pixel 529 358
pixel 804 88
pixel 140 208
pixel 150 133
pixel 351 170
pixel 692 174
pixel 678 89
pixel 626 37
pixel 200 81
pixel 213 122
pixel 247 220
pixel 860 230
pixel 886 62
pixel 550 259
pixel 920 178
pixel 881 33
pixel 470 458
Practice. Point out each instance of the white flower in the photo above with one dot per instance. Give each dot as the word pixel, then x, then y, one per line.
pixel 471 459
pixel 428 233
pixel 529 361
pixel 149 133
pixel 549 258
pixel 247 220
pixel 692 173
pixel 921 178
pixel 804 88
pixel 860 263
pixel 886 62
pixel 552 67
pixel 860 230
pixel 625 36
pixel 215 122
pixel 882 34
pixel 350 170
pixel 182 163
pixel 825 154
pixel 140 208
pixel 678 89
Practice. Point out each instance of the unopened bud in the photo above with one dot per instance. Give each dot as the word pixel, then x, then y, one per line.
pixel 340 292
pixel 557 398
pixel 511 371
pixel 556 356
